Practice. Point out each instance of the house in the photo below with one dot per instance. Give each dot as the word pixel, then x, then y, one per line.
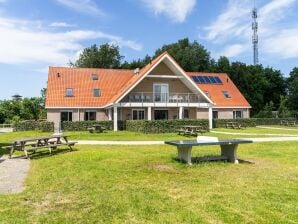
pixel 160 90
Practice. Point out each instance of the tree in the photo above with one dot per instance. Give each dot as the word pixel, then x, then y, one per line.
pixel 104 56
pixel 283 111
pixel 293 89
pixel 267 111
pixel 140 63
pixel 191 56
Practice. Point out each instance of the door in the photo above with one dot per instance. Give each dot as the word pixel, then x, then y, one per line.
pixel 161 92
pixel 161 115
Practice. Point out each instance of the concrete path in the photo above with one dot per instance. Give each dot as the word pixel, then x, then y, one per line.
pixel 253 134
pixel 286 129
pixel 12 174
pixel 273 139
pixel 83 142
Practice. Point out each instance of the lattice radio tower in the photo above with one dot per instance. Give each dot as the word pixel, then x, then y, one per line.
pixel 255 39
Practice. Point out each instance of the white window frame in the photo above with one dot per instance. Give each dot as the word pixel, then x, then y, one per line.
pixel 138 115
pixel 90 111
pixel 99 92
pixel 235 114
pixel 67 94
pixel 168 92
pixel 67 111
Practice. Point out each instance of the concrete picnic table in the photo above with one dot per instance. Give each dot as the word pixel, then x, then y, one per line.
pixel 228 148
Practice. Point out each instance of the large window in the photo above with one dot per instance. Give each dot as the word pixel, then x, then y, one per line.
pixel 161 115
pixel 66 116
pixel 138 114
pixel 69 92
pixel 90 116
pixel 237 114
pixel 161 92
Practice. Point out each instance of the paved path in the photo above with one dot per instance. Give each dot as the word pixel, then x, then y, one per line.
pixel 253 134
pixel 273 139
pixel 83 142
pixel 286 129
pixel 12 174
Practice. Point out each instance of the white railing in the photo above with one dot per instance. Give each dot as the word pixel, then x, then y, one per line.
pixel 5 125
pixel 149 97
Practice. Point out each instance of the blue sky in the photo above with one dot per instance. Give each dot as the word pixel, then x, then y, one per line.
pixel 36 34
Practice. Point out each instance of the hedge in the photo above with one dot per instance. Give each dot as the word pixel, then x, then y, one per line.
pixel 83 125
pixel 43 126
pixel 161 126
pixel 251 122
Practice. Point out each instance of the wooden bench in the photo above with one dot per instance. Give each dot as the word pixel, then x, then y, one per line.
pixel 33 144
pixel 192 130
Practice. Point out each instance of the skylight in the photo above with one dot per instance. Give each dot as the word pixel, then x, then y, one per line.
pixel 94 77
pixel 226 94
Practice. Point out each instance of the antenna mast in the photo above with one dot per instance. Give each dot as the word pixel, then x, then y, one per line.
pixel 255 39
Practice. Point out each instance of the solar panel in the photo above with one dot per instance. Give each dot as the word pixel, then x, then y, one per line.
pixel 218 80
pixel 207 79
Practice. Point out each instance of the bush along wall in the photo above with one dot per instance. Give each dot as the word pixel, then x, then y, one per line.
pixel 162 126
pixel 250 122
pixel 43 126
pixel 84 125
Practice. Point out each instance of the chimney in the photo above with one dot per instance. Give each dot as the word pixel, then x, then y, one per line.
pixel 136 71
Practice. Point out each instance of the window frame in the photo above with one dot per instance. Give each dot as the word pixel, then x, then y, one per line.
pixel 95 77
pixel 66 92
pixel 99 92
pixel 138 114
pixel 87 115
pixel 226 94
pixel 235 114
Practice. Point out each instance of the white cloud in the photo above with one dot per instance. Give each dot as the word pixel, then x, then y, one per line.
pixel 25 42
pixel 3 1
pixel 233 50
pixel 61 24
pixel 83 6
pixel 176 10
pixel 232 28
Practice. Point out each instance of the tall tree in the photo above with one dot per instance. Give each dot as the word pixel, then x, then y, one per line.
pixel 293 89
pixel 104 56
pixel 191 56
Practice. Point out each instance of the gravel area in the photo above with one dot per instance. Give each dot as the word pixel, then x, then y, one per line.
pixel 12 174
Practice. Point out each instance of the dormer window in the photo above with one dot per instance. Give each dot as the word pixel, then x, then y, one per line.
pixel 226 94
pixel 94 77
pixel 96 92
pixel 69 92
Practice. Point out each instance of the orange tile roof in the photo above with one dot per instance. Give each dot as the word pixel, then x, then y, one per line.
pixel 215 90
pixel 113 83
pixel 80 79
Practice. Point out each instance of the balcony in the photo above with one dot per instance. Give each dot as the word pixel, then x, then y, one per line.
pixel 147 97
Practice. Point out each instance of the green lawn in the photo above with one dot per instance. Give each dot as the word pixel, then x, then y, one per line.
pixel 133 184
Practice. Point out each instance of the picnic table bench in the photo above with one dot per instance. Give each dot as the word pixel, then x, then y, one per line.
pixel 288 123
pixel 228 148
pixel 32 144
pixel 96 128
pixel 235 125
pixel 192 130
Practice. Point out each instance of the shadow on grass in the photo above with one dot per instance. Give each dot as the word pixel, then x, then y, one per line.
pixel 210 158
pixel 2 150
pixel 45 153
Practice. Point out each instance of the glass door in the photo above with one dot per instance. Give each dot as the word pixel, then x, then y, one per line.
pixel 161 92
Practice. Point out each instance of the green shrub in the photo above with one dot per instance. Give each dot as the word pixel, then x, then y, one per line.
pixel 43 126
pixel 162 126
pixel 250 122
pixel 84 125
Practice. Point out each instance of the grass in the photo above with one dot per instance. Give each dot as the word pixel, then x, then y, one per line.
pixel 133 184
pixel 260 131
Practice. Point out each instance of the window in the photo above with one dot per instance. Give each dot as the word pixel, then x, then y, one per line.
pixel 138 114
pixel 237 114
pixel 66 116
pixel 226 94
pixel 161 115
pixel 94 77
pixel 161 92
pixel 215 114
pixel 185 114
pixel 96 92
pixel 90 116
pixel 69 92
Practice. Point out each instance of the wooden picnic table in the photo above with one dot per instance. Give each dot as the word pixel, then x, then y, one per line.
pixel 192 130
pixel 33 144
pixel 288 123
pixel 234 125
pixel 96 128
pixel 228 148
